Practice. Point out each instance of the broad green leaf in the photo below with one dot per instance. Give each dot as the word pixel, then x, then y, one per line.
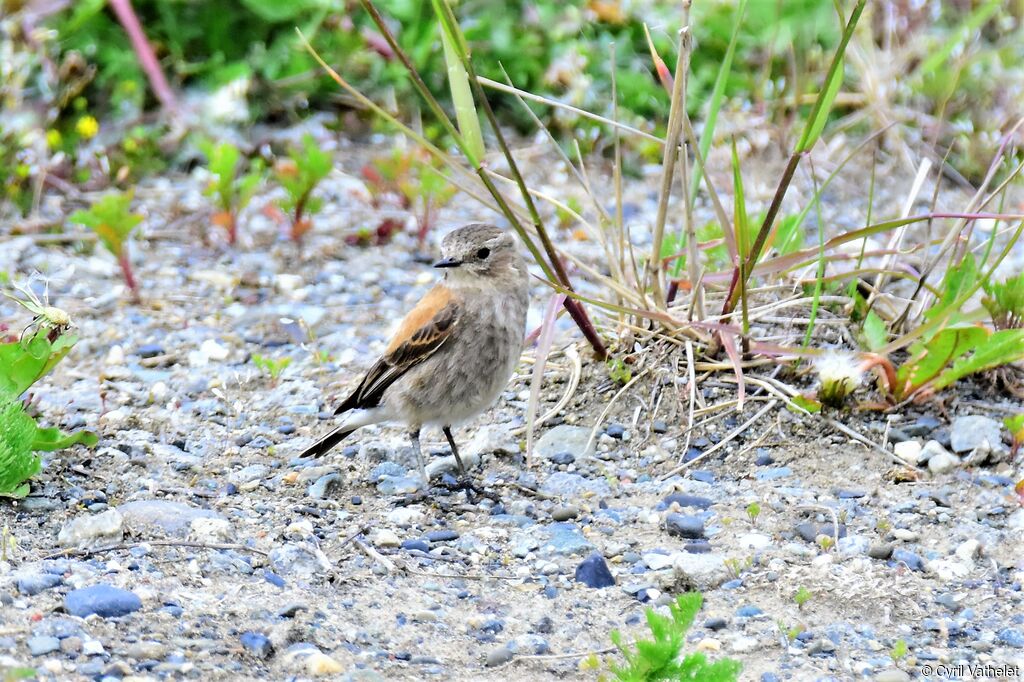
pixel 929 359
pixel 458 83
pixel 1000 348
pixel 24 362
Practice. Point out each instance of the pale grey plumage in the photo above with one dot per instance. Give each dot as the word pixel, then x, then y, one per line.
pixel 456 350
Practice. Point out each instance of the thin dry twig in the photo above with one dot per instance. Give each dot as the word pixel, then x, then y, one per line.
pixel 722 443
pixel 86 552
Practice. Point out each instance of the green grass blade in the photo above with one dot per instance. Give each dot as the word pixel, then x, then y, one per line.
pixel 462 95
pixel 823 104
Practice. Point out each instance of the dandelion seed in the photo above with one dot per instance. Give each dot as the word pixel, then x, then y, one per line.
pixel 840 374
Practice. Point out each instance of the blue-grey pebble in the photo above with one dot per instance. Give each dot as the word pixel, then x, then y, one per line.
pixel 913 561
pixel 40 646
pixel 684 525
pixel 257 643
pixel 37 582
pixel 594 572
pixel 104 600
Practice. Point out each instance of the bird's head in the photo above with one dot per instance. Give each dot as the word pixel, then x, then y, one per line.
pixel 479 251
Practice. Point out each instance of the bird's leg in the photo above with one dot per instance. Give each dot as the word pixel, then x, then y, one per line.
pixel 455 449
pixel 414 436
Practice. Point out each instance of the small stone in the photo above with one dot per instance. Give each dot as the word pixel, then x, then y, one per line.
pixel 968 549
pixel 34 583
pixel 683 500
pixel 748 611
pixel 498 656
pixel 162 517
pixel 104 600
pixel 913 561
pixel 563 438
pixel 257 643
pixel 421 545
pixel 386 538
pixel 565 512
pixel 940 461
pixel 755 541
pixel 968 433
pixel 319 664
pixel 593 572
pixel 684 525
pixel 810 531
pixel 40 646
pixel 211 530
pixel 1012 637
pixel 892 675
pixel 443 535
pixel 716 623
pixel 880 550
pixel 326 486
pixel 95 529
pixel 702 571
pixel 905 535
pixel 616 431
pixel 908 450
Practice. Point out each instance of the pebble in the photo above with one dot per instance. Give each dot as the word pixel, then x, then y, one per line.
pixel 158 518
pixel 773 474
pixel 565 512
pixel 1012 637
pixel 810 531
pixel 257 643
pixel 443 535
pixel 703 571
pixel 880 550
pixel 941 462
pixel 913 561
pixel 498 656
pixel 593 572
pixel 319 664
pixel 421 545
pixel 684 525
pixel 968 433
pixel 563 438
pixel 104 600
pixel 684 500
pixel 34 583
pixel 40 646
pixel 92 530
pixel 908 450
pixel 385 538
pixel 326 486
pixel 297 560
pixel 892 675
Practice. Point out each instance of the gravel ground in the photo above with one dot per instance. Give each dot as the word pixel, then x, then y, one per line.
pixel 224 557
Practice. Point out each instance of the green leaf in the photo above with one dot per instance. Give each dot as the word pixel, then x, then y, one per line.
pixel 874 332
pixel 823 104
pixel 51 438
pixel 809 404
pixel 929 359
pixel 1000 348
pixel 111 220
pixel 455 52
pixel 957 281
pixel 17 463
pixel 24 362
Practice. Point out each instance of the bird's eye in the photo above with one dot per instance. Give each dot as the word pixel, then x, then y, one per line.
pixel 483 253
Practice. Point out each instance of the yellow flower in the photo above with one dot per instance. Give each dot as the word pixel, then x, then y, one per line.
pixel 53 138
pixel 87 127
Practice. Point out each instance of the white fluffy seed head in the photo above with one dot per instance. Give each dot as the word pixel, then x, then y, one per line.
pixel 840 374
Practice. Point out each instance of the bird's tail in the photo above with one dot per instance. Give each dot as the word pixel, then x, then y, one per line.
pixel 325 444
pixel 356 419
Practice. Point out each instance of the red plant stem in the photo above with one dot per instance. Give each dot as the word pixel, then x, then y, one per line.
pixel 129 276
pixel 888 371
pixel 232 228
pixel 144 52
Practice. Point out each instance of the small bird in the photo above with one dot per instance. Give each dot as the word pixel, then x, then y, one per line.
pixel 454 353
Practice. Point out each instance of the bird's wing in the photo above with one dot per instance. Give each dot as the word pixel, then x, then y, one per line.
pixel 423 331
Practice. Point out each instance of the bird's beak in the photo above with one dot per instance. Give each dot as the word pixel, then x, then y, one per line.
pixel 448 263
